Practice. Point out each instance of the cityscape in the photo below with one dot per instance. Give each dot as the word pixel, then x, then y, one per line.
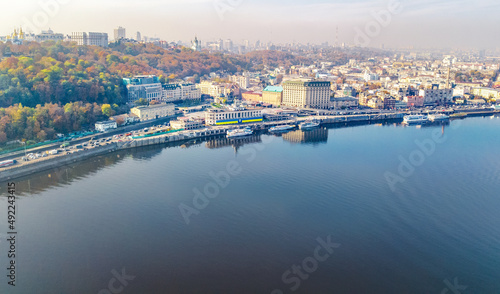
pixel 277 150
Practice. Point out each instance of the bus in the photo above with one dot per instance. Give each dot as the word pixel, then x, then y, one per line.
pixel 7 163
pixel 64 145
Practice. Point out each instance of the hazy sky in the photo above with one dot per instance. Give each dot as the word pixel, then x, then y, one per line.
pixel 421 23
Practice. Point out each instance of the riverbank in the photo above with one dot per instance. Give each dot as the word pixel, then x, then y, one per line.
pixel 27 168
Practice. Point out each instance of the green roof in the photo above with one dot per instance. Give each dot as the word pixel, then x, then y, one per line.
pixel 273 89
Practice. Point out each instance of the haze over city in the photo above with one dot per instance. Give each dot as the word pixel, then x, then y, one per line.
pixel 421 24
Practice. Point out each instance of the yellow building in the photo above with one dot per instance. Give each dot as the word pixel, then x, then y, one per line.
pixel 273 95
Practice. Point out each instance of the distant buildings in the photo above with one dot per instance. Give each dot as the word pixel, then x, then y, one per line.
pixel 120 33
pixel 145 87
pixel 306 94
pixel 153 111
pixel 90 39
pixel 138 38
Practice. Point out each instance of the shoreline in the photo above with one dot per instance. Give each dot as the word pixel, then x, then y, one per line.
pixel 15 172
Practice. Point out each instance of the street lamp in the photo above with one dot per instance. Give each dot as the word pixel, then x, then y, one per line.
pixel 24 143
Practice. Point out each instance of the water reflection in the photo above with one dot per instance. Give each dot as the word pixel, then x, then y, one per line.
pixel 65 175
pixel 315 136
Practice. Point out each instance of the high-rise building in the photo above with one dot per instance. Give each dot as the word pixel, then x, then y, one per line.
pixel 139 38
pixel 120 33
pixel 92 38
pixel 228 45
pixel 306 94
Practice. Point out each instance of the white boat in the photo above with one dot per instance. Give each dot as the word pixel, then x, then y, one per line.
pixel 438 117
pixel 239 133
pixel 415 119
pixel 280 129
pixel 307 125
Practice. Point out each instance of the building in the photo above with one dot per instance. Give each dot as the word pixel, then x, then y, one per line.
pixel 233 115
pixel 343 102
pixel 273 95
pixel 306 94
pixel 414 101
pixel 185 123
pixel 487 93
pixel 368 76
pixel 375 103
pixel 125 119
pixel 89 39
pixel 180 92
pixel 138 37
pixel 104 126
pixel 436 95
pixel 48 36
pixel 143 87
pixel 243 81
pixel 213 89
pixel 389 102
pixel 120 33
pixel 153 111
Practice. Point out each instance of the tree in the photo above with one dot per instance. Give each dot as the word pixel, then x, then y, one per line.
pixel 107 110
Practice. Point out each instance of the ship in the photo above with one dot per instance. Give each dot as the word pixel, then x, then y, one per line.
pixel 308 125
pixel 239 133
pixel 415 119
pixel 438 117
pixel 281 129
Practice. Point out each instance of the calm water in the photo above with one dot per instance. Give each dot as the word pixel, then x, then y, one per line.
pixel 439 221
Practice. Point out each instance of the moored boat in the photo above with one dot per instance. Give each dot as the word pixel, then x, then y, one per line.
pixel 307 125
pixel 415 119
pixel 281 129
pixel 239 133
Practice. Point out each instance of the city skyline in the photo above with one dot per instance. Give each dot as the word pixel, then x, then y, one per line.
pixel 438 24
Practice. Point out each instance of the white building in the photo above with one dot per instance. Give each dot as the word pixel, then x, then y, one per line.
pixel 90 39
pixel 180 92
pixel 368 76
pixel 153 111
pixel 186 124
pixel 120 33
pixel 306 94
pixel 235 115
pixel 104 126
pixel 440 96
pixel 48 36
pixel 242 81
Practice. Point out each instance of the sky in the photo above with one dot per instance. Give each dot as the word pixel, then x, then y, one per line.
pixel 395 23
